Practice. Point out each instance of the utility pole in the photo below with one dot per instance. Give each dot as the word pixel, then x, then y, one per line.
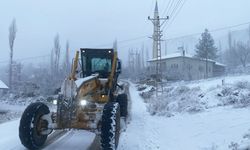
pixel 157 38
pixel 142 57
pixel 134 62
pixel 131 61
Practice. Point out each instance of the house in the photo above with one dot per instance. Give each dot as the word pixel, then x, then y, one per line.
pixel 3 88
pixel 181 66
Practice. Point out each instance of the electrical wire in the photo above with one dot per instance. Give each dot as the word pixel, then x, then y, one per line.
pixel 170 7
pixel 175 8
pixel 175 15
pixel 172 12
pixel 211 31
pixel 141 37
pixel 27 58
pixel 164 12
pixel 123 41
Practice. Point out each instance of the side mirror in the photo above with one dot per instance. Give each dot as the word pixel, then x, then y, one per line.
pixel 119 66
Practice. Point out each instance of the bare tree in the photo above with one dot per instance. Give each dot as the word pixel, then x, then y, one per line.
pixel 56 55
pixel 57 75
pixel 142 57
pixel 219 52
pixel 52 65
pixel 249 34
pixel 243 53
pixel 66 65
pixel 12 37
pixel 230 46
pixel 238 53
pixel 147 56
pixel 230 54
pixel 115 45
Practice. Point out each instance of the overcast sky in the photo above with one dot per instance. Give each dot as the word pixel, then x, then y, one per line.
pixel 98 22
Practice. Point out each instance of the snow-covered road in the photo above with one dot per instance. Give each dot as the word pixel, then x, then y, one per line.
pixel 75 140
pixel 213 129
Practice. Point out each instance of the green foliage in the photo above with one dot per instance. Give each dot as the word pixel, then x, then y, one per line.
pixel 206 48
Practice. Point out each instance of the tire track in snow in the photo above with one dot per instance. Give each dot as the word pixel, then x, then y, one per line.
pixel 139 133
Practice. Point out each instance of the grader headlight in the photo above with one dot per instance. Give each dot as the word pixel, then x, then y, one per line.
pixel 54 102
pixel 83 102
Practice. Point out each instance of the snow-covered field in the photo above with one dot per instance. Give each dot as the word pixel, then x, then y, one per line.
pixel 217 126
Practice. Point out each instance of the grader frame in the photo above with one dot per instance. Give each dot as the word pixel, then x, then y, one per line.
pixel 87 101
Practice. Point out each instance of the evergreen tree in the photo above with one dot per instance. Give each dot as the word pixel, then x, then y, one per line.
pixel 206 48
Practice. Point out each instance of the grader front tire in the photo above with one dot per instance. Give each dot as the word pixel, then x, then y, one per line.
pixel 110 129
pixel 29 133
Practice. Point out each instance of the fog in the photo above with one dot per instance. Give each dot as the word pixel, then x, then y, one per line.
pixel 98 23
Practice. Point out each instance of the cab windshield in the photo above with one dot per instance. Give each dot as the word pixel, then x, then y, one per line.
pixel 100 64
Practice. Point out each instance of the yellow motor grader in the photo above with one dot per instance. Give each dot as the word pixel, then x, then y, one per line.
pixel 90 99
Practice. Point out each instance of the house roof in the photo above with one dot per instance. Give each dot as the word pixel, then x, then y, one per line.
pixel 3 86
pixel 175 55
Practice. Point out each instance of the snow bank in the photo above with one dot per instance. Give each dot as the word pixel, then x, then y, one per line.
pixel 177 99
pixel 237 95
pixel 2 85
pixel 12 106
pixel 186 97
pixel 217 128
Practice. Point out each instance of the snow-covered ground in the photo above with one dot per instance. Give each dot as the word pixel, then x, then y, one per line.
pixel 207 84
pixel 76 140
pixel 220 127
pixel 215 128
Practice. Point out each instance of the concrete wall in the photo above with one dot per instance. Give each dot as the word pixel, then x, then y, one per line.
pixel 185 68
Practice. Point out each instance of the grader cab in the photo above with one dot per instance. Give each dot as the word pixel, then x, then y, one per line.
pixel 90 99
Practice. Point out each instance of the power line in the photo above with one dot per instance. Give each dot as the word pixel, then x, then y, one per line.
pixel 170 7
pixel 164 12
pixel 124 41
pixel 183 36
pixel 163 4
pixel 28 58
pixel 141 37
pixel 173 38
pixel 175 8
pixel 213 30
pixel 171 13
pixel 132 44
pixel 175 15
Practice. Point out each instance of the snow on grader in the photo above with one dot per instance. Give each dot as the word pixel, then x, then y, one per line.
pixel 90 99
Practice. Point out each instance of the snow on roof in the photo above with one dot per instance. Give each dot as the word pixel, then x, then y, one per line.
pixel 174 55
pixel 219 64
pixel 2 85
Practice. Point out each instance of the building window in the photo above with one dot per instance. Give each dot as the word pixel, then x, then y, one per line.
pixel 164 65
pixel 174 66
pixel 201 69
pixel 189 67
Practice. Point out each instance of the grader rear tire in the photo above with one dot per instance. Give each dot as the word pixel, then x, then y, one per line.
pixel 29 126
pixel 110 129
